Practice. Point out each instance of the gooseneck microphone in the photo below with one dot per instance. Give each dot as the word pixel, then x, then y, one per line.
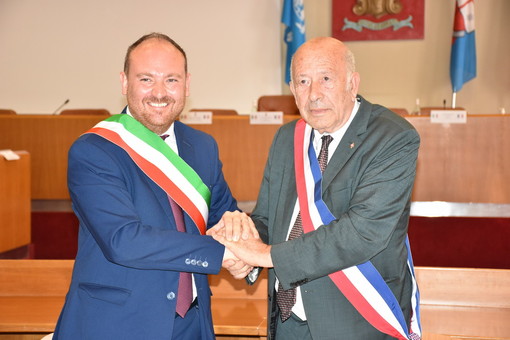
pixel 61 106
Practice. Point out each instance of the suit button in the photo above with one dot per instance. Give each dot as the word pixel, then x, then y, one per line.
pixel 170 296
pixel 187 261
pixel 193 262
pixel 205 264
pixel 199 263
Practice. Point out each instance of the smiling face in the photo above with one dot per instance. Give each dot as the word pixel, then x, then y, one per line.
pixel 324 83
pixel 156 84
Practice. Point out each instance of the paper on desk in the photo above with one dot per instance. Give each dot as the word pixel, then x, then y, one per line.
pixel 9 155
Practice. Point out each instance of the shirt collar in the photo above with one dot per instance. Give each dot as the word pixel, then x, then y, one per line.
pixel 338 134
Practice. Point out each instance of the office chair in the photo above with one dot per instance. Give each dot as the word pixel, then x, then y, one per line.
pixel 220 112
pixel 7 112
pixel 103 112
pixel 284 103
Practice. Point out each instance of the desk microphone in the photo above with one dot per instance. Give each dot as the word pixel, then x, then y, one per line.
pixel 61 106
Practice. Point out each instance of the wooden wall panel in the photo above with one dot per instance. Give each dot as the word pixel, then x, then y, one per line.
pixel 47 139
pixel 464 162
pixel 14 202
pixel 457 162
pixel 243 150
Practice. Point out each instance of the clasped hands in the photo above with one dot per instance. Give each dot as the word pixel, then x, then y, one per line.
pixel 243 247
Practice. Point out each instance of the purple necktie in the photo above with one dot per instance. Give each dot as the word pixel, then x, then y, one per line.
pixel 286 299
pixel 185 292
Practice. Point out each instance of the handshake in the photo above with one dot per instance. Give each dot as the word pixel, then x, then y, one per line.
pixel 243 247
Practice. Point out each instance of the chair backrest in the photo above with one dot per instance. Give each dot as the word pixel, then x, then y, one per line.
pixel 222 112
pixel 103 112
pixel 284 103
pixel 7 112
pixel 399 111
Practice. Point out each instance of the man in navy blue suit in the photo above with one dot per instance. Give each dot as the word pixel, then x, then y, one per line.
pixel 144 204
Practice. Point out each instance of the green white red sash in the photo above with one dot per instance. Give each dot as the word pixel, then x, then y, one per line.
pixel 362 285
pixel 160 163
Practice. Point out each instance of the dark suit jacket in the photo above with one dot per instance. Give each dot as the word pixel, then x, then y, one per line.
pixel 367 187
pixel 130 253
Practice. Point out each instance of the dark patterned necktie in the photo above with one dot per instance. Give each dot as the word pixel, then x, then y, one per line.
pixel 185 290
pixel 286 299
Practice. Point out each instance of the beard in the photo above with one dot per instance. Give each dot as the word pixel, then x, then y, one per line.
pixel 156 118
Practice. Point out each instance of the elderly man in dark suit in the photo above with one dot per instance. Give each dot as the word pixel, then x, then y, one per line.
pixel 334 229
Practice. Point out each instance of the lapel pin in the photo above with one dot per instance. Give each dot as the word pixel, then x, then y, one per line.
pixel 352 145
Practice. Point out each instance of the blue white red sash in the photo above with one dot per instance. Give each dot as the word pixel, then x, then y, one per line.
pixel 160 163
pixel 362 285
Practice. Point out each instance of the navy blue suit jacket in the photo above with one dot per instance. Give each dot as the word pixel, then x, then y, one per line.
pixel 125 278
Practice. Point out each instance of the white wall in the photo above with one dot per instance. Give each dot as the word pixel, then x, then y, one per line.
pixel 396 72
pixel 52 50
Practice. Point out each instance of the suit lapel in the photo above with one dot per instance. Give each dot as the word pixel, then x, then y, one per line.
pixel 186 150
pixel 162 198
pixel 285 202
pixel 350 142
pixel 165 205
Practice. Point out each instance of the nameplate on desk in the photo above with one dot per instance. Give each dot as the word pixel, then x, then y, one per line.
pixel 448 116
pixel 266 118
pixel 196 117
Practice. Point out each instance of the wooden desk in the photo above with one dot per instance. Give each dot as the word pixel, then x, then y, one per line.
pixel 32 294
pixel 457 162
pixel 243 149
pixel 455 303
pixel 14 202
pixel 463 162
pixel 47 139
pixel 465 302
pixel 237 308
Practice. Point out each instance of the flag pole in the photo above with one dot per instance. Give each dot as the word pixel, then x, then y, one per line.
pixel 454 98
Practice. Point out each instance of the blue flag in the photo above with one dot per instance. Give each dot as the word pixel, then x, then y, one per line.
pixel 463 56
pixel 293 16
